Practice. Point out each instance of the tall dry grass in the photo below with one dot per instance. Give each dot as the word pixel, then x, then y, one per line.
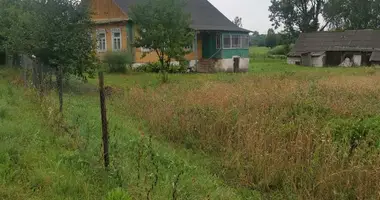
pixel 302 139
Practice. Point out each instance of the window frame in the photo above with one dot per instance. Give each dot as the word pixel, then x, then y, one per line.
pixel 113 31
pixel 238 45
pixel 223 38
pixel 241 38
pixel 99 42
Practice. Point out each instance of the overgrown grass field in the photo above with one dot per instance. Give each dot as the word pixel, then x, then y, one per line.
pixel 277 132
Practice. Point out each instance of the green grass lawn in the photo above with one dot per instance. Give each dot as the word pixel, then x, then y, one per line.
pixel 259 50
pixel 201 127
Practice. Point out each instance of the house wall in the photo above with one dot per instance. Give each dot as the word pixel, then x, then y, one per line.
pixel 318 61
pixel 108 28
pixel 294 60
pixel 229 53
pixel 357 59
pixel 152 56
pixel 306 59
pixel 106 9
pixel 227 65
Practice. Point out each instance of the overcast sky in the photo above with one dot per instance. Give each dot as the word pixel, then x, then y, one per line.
pixel 253 12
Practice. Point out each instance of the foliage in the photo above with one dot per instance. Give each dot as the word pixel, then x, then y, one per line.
pixel 67 44
pixel 166 36
pixel 18 30
pixel 117 61
pixel 280 50
pixel 56 32
pixel 118 194
pixel 356 133
pixel 352 14
pixel 238 21
pixel 296 15
pixel 257 39
pixel 155 68
pixel 271 39
pixel 149 68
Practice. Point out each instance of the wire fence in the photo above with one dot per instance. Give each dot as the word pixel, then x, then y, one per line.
pixel 35 74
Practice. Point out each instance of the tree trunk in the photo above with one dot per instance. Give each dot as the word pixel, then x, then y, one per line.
pixel 164 73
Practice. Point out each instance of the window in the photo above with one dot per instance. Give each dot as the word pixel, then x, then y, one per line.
pixel 235 41
pixel 245 42
pixel 218 41
pixel 101 40
pixel 116 39
pixel 227 41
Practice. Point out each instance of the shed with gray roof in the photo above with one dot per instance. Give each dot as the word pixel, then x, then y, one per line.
pixel 361 47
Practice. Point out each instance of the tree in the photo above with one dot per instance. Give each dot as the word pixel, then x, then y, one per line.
pixel 238 21
pixel 67 46
pixel 163 26
pixel 271 39
pixel 353 14
pixel 17 33
pixel 296 15
pixel 57 32
pixel 257 39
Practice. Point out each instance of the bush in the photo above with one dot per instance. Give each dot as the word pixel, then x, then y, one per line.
pixel 118 61
pixel 281 50
pixel 149 68
pixel 155 68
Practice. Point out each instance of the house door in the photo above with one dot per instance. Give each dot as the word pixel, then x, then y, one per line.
pixel 205 45
pixel 209 45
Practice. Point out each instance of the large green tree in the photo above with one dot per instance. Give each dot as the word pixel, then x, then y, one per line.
pixel 163 26
pixel 271 39
pixel 296 15
pixel 18 30
pixel 353 14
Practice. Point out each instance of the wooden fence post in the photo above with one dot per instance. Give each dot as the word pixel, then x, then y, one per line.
pixel 60 87
pixel 103 112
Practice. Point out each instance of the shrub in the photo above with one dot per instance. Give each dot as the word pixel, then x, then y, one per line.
pixel 149 68
pixel 279 50
pixel 155 68
pixel 117 61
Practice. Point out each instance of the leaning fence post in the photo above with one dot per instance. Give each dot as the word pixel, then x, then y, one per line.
pixel 103 112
